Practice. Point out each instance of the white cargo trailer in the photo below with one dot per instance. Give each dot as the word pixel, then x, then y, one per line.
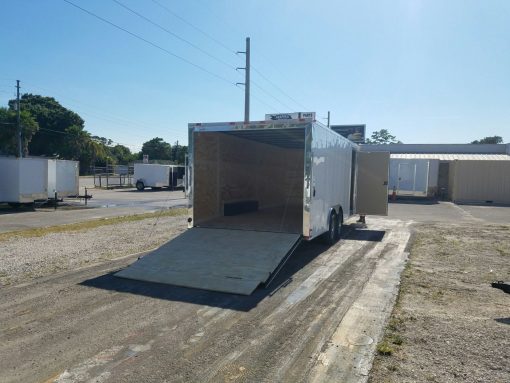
pixel 158 176
pixel 23 180
pixel 63 178
pixel 255 191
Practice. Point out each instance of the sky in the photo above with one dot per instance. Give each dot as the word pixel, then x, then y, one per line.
pixel 427 71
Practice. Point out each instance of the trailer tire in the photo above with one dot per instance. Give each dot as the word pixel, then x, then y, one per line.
pixel 139 185
pixel 339 224
pixel 331 236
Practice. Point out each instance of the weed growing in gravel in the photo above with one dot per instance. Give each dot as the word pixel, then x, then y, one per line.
pixel 384 348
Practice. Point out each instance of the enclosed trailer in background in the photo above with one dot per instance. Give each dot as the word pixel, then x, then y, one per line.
pixel 23 180
pixel 67 178
pixel 413 177
pixel 255 191
pixel 158 176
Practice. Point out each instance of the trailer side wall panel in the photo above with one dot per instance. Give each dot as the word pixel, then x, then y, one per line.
pixel 331 177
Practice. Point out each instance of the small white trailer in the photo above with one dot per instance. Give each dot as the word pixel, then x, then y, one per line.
pixel 65 176
pixel 158 176
pixel 23 180
pixel 255 191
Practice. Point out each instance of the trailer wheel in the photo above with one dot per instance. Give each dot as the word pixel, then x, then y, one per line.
pixel 339 224
pixel 332 234
pixel 139 185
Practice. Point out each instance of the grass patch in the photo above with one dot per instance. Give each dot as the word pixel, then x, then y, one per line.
pixel 384 348
pixel 88 225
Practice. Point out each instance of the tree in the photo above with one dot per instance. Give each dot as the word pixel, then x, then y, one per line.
pixel 53 120
pixel 157 149
pixel 61 132
pixel 489 140
pixel 121 154
pixel 179 153
pixel 382 136
pixel 9 131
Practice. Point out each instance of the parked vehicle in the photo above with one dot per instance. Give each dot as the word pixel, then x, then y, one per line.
pixel 23 180
pixel 63 178
pixel 158 176
pixel 255 191
pixel 29 179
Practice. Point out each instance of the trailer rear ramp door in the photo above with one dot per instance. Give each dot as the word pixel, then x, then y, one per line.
pixel 226 260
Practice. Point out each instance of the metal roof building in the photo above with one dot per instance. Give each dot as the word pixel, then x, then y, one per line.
pixel 451 156
pixel 464 173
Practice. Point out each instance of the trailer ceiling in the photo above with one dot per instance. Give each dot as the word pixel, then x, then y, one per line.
pixel 293 138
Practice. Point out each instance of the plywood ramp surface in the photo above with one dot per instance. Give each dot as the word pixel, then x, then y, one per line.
pixel 232 261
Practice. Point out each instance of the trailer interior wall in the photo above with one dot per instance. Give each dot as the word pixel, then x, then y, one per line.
pixel 239 167
pixel 480 181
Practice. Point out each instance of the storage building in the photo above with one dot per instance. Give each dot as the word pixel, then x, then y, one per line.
pixel 462 173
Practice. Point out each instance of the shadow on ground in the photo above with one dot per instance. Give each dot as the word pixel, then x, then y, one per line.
pixel 414 201
pixel 147 190
pixel 503 320
pixel 304 254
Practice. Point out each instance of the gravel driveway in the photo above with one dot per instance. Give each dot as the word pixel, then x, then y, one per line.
pixel 22 259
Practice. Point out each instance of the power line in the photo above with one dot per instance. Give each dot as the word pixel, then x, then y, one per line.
pixel 190 43
pixel 234 52
pixel 109 116
pixel 91 136
pixel 174 34
pixel 270 95
pixel 150 43
pixel 194 27
pixel 277 87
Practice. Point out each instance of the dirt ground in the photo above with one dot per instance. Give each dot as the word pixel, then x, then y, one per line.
pixel 449 324
pixel 319 320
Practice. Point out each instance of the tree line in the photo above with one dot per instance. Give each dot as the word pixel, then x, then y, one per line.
pixel 51 130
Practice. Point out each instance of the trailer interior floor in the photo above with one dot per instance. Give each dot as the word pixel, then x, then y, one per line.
pixel 280 219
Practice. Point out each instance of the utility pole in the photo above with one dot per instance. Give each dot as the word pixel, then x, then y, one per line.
pixel 18 121
pixel 246 81
pixel 329 115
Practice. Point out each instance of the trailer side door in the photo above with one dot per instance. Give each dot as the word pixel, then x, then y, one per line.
pixel 372 183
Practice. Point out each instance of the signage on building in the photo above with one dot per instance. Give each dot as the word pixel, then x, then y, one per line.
pixel 355 133
pixel 290 116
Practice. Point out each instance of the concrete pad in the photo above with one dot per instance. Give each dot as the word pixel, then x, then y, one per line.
pixel 350 351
